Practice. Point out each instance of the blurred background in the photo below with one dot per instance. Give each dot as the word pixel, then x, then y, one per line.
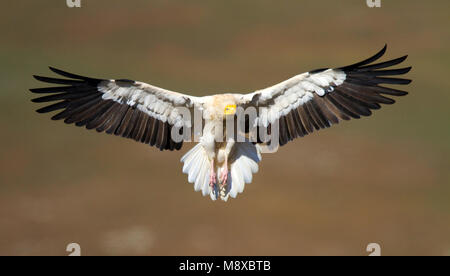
pixel 382 179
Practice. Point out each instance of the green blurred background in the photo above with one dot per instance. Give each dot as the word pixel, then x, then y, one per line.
pixel 382 179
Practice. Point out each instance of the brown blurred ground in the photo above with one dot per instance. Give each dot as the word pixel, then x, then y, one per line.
pixel 381 179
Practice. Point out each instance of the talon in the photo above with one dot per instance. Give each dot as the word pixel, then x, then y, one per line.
pixel 224 177
pixel 212 176
pixel 224 174
pixel 212 180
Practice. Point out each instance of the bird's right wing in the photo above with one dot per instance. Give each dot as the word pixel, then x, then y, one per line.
pixel 131 109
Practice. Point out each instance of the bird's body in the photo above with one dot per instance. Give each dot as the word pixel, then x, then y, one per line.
pixel 226 155
pixel 215 151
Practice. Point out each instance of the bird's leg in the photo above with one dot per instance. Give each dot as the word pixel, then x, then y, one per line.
pixel 224 173
pixel 212 176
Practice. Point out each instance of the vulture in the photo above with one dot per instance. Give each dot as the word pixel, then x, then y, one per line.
pixel 231 130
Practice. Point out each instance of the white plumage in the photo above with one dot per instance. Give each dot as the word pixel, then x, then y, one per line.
pixel 221 168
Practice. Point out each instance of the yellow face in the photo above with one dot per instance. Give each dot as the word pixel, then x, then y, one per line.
pixel 230 109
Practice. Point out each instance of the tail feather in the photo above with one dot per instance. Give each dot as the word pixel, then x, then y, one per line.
pixel 189 157
pixel 200 178
pixel 197 167
pixel 243 162
pixel 204 179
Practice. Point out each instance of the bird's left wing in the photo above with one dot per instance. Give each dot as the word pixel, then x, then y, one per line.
pixel 321 98
pixel 131 109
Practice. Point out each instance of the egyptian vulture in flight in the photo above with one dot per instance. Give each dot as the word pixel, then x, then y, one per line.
pixel 220 168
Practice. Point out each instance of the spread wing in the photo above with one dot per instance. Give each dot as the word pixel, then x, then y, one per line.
pixel 127 108
pixel 321 98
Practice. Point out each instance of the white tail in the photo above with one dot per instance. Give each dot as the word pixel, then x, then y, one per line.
pixel 198 168
pixel 243 161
